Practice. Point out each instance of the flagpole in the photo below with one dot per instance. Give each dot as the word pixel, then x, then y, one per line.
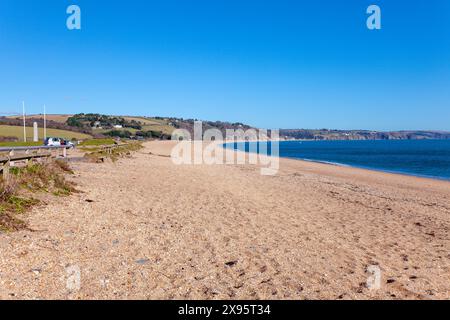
pixel 45 124
pixel 24 127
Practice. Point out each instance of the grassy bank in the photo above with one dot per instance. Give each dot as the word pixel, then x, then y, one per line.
pixel 97 142
pixel 18 193
pixel 20 144
pixel 100 154
pixel 17 131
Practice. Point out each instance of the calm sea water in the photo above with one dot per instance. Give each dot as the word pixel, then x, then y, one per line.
pixel 428 158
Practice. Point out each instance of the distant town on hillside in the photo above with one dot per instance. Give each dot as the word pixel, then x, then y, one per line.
pixel 101 125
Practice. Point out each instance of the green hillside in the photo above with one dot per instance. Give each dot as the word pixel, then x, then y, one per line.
pixel 16 131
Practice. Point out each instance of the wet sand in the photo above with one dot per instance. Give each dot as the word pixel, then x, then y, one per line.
pixel 144 228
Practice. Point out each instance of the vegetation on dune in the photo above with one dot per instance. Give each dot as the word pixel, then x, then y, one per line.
pixel 64 166
pixel 16 191
pixel 97 142
pixel 101 154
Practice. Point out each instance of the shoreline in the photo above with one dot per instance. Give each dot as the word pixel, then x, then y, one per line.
pixel 343 165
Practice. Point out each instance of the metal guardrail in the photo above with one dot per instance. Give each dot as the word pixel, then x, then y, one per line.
pixel 23 157
pixel 9 149
pixel 26 154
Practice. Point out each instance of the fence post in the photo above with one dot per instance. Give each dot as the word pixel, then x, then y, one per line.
pixel 27 152
pixel 11 153
pixel 64 152
pixel 6 171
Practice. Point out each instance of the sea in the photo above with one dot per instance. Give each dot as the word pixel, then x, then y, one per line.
pixel 424 158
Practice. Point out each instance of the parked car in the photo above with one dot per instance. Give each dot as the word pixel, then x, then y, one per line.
pixel 52 142
pixel 56 142
pixel 70 144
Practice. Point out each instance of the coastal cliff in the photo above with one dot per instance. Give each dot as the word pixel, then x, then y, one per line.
pixel 325 134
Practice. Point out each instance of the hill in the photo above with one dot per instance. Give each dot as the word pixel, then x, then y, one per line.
pixel 326 134
pixel 101 126
pixel 17 132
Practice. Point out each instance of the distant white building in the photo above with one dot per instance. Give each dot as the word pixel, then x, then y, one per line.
pixel 118 126
pixel 97 125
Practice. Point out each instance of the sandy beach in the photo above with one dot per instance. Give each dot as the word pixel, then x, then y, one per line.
pixel 145 228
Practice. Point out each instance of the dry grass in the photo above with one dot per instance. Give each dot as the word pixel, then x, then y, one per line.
pixel 64 166
pixel 7 189
pixel 20 144
pixel 17 131
pixel 12 205
pixel 97 142
pixel 120 151
pixel 16 192
pixel 61 118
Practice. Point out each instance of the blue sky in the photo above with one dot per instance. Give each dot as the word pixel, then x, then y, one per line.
pixel 274 64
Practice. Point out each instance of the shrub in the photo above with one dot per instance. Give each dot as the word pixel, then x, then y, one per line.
pixel 15 200
pixel 64 166
pixel 7 188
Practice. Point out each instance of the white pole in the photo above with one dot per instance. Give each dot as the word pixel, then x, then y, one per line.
pixel 24 128
pixel 45 124
pixel 35 132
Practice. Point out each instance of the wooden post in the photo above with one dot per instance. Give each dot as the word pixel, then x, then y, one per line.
pixel 27 152
pixel 11 154
pixel 6 171
pixel 47 159
pixel 64 152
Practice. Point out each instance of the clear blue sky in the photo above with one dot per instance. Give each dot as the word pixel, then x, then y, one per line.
pixel 275 64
